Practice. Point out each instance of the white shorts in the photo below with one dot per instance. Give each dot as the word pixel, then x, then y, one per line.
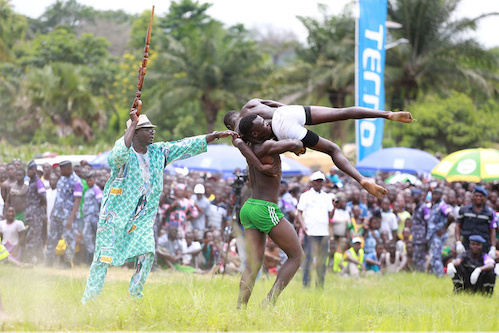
pixel 288 122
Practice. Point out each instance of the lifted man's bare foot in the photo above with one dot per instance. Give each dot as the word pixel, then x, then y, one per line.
pixel 373 188
pixel 403 117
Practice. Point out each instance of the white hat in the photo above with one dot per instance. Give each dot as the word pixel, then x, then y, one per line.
pixel 199 189
pixel 143 122
pixel 356 240
pixel 318 175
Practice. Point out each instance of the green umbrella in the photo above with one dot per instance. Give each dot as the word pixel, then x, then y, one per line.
pixel 469 165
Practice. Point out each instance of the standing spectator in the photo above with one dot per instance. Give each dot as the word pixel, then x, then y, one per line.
pixel 51 194
pixel 402 215
pixel 180 211
pixel 372 205
pixel 436 233
pixel 9 182
pixel 17 195
pixel 340 219
pixel 477 219
pixel 203 206
pixel 65 214
pixel 418 230
pixel 36 202
pixel 90 211
pixel 389 222
pixel 218 212
pixel 334 177
pixel 12 233
pixel 317 208
pixel 47 172
pixel 356 201
pixel 473 270
pixel 131 199
pixel 356 224
pixel 372 236
pixel 285 202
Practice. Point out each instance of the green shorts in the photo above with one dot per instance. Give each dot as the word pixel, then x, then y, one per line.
pixel 259 214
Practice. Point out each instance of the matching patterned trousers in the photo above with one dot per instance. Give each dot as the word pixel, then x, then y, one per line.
pixel 98 271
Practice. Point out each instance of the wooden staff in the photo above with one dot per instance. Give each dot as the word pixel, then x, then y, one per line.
pixel 137 103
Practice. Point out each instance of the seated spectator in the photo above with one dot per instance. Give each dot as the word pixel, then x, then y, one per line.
pixel 354 259
pixel 271 258
pixel 473 270
pixel 191 250
pixel 207 250
pixel 12 233
pixel 394 260
pixel 401 243
pixel 5 257
pixel 231 262
pixel 169 248
pixel 338 255
pixel 373 260
pixel 409 267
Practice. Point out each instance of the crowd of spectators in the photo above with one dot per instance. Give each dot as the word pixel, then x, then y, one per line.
pixel 196 227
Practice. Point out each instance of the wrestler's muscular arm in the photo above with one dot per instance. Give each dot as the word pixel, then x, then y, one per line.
pixel 268 169
pixel 271 147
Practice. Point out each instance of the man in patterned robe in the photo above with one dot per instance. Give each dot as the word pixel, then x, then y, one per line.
pixel 131 199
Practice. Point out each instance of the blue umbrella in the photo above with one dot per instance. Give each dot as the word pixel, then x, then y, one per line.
pixel 225 159
pixel 398 159
pixel 101 162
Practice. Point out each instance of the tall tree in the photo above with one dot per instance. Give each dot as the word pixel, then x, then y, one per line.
pixel 12 29
pixel 58 94
pixel 439 56
pixel 446 124
pixel 202 61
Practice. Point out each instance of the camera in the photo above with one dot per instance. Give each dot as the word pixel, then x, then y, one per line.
pixel 238 183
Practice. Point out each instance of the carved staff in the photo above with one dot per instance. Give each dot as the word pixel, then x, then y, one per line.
pixel 137 103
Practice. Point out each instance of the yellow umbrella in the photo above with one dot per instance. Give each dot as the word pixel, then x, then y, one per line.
pixel 469 165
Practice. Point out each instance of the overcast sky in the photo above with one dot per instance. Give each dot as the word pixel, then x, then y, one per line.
pixel 280 14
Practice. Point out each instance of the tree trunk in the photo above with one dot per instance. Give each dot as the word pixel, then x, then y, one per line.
pixel 210 109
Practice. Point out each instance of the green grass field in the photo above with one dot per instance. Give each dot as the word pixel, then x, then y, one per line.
pixel 43 299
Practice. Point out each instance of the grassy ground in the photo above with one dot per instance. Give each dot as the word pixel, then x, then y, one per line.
pixel 42 299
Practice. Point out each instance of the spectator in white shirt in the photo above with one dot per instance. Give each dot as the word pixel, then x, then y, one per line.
pixel 389 222
pixel 317 208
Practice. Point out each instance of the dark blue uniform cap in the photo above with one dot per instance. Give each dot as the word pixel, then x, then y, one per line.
pixel 479 189
pixel 477 238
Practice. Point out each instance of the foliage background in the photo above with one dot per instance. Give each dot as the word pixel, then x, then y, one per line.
pixel 68 77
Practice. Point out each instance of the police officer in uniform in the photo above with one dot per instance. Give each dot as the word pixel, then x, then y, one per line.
pixel 65 214
pixel 473 270
pixel 476 219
